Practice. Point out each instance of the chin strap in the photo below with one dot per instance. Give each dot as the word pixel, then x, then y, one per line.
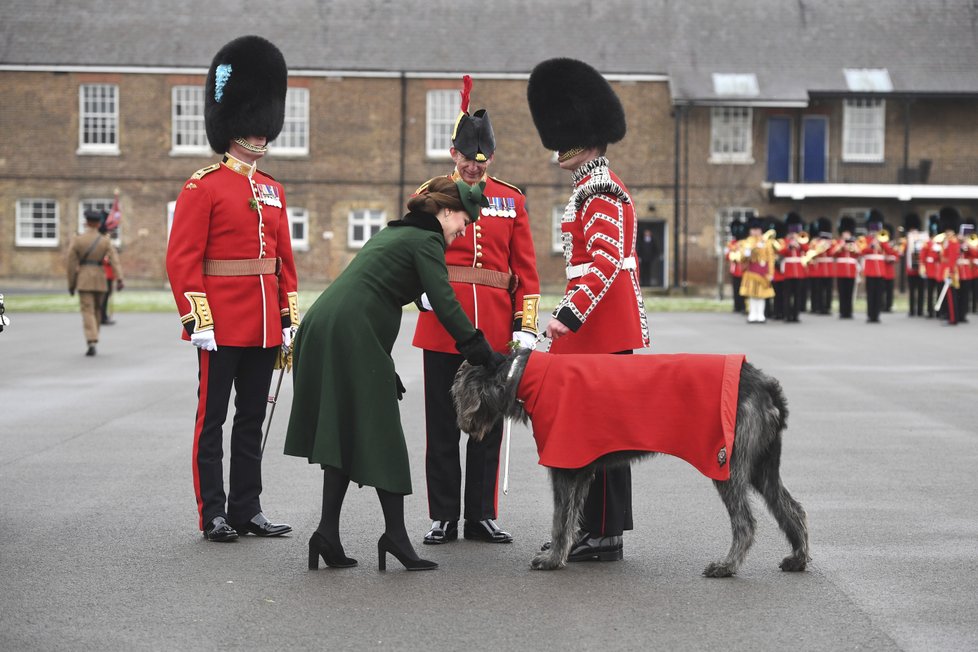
pixel 255 149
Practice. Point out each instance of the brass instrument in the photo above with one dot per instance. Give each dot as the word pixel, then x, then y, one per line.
pixel 817 250
pixel 883 235
pixel 802 238
pixel 973 240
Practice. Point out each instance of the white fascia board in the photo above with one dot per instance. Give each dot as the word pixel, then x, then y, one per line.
pixel 901 192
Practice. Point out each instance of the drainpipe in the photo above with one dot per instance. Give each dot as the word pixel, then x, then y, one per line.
pixel 685 202
pixel 677 116
pixel 401 163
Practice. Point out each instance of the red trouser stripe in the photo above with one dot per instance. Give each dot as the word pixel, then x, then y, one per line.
pixel 205 357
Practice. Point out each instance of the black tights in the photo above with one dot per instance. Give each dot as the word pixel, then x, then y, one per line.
pixel 335 484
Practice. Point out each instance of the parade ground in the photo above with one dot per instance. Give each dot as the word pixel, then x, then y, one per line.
pixel 99 547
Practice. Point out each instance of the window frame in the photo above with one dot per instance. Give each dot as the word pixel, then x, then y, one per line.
pixel 723 131
pixel 99 204
pixel 193 120
pixel 298 216
pixel 852 110
pixel 20 220
pixel 438 103
pixel 104 149
pixel 366 218
pixel 297 116
pixel 556 218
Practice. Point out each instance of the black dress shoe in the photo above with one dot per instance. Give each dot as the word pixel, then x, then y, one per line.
pixel 441 532
pixel 91 350
pixel 597 549
pixel 486 530
pixel 262 527
pixel 219 530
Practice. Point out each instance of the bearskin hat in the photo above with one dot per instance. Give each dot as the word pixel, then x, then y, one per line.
pixel 823 227
pixel 244 94
pixel 911 221
pixel 932 225
pixel 793 222
pixel 755 223
pixel 738 229
pixel 948 218
pixel 847 224
pixel 573 106
pixel 473 135
pixel 874 220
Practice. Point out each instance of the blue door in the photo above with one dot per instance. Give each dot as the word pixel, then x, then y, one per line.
pixel 778 148
pixel 815 148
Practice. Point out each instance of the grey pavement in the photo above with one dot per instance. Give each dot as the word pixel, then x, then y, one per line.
pixel 99 548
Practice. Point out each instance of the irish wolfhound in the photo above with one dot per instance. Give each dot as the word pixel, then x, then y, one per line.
pixel 755 400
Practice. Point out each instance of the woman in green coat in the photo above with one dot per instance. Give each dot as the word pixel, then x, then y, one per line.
pixel 345 415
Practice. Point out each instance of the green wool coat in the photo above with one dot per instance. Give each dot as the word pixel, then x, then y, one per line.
pixel 344 408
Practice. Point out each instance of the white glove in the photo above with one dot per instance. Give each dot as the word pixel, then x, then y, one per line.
pixel 525 340
pixel 286 339
pixel 204 340
pixel 424 301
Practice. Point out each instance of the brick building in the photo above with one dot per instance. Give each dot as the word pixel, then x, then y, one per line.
pixel 732 108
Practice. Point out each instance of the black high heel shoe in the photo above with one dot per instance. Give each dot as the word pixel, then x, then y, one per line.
pixel 320 547
pixel 386 545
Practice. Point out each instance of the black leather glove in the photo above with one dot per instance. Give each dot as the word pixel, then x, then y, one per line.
pixel 477 352
pixel 401 390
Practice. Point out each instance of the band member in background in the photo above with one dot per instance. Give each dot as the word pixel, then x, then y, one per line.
pixel 889 270
pixel 967 240
pixel 758 252
pixel 493 272
pixel 930 257
pixel 85 274
pixel 776 307
pixel 845 265
pixel 913 245
pixel 577 113
pixel 738 231
pixel 793 247
pixel 819 265
pixel 230 265
pixel 872 250
pixel 948 271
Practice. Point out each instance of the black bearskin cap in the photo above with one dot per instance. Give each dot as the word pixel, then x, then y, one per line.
pixel 755 223
pixel 793 222
pixel 847 224
pixel 244 94
pixel 932 221
pixel 911 221
pixel 948 218
pixel 573 106
pixel 738 229
pixel 823 227
pixel 874 220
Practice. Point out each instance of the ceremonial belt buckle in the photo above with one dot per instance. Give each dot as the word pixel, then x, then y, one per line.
pixel 487 277
pixel 243 267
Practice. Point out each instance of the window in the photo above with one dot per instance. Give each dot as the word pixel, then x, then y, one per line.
pixel 188 135
pixel 556 242
pixel 97 205
pixel 364 224
pixel 37 223
pixel 725 216
pixel 731 134
pixel 171 207
pixel 442 111
pixel 98 119
pixel 299 228
pixel 294 137
pixel 863 125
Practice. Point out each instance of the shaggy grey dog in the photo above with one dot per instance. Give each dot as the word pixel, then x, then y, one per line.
pixel 482 397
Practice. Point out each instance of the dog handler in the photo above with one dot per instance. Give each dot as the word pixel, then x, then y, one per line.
pixel 577 113
pixel 493 272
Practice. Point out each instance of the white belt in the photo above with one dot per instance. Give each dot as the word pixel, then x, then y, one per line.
pixel 577 271
pixel 793 259
pixel 874 257
pixel 845 260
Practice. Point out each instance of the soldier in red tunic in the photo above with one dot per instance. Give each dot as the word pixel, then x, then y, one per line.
pixel 577 113
pixel 738 231
pixel 229 261
pixel 493 272
pixel 873 249
pixel 914 241
pixel 929 257
pixel 845 264
pixel 819 265
pixel 948 270
pixel 793 247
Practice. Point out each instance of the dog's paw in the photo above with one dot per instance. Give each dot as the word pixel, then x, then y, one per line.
pixel 546 561
pixel 793 564
pixel 718 569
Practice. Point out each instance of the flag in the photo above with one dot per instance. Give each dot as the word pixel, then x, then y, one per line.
pixel 115 215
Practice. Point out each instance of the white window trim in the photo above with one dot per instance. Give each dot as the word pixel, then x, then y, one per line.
pixel 299 98
pixel 96 148
pixel 740 158
pixel 443 94
pixel 861 157
pixel 556 216
pixel 298 215
pixel 37 242
pixel 99 203
pixel 171 207
pixel 186 150
pixel 365 217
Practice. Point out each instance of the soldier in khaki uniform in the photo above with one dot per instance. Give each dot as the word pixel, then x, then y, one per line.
pixel 85 273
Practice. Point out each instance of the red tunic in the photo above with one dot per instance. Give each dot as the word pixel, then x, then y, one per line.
pixel 585 406
pixel 791 252
pixel 603 304
pixel 500 240
pixel 215 219
pixel 733 255
pixel 844 261
pixel 873 254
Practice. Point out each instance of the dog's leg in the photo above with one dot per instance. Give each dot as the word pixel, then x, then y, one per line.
pixel 733 492
pixel 570 487
pixel 789 513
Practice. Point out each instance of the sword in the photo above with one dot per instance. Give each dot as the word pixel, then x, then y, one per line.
pixel 508 428
pixel 273 400
pixel 940 298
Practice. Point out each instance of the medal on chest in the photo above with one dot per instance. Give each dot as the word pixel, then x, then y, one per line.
pixel 268 194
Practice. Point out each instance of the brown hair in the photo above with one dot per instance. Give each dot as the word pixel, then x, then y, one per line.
pixel 436 194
